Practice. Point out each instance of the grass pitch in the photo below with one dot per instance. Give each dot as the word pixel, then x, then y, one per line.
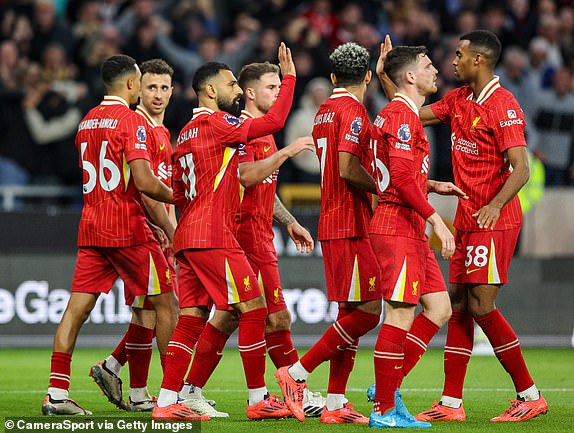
pixel 24 378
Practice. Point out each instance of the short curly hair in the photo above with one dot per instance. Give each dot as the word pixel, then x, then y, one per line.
pixel 349 63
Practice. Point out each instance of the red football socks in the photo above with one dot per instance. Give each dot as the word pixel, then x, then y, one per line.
pixel 338 337
pixel 341 363
pixel 418 338
pixel 389 358
pixel 506 347
pixel 457 351
pixel 251 342
pixel 180 349
pixel 60 370
pixel 208 353
pixel 119 352
pixel 280 348
pixel 138 349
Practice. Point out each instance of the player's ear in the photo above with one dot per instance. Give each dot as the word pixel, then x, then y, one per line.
pixel 249 93
pixel 368 76
pixel 210 91
pixel 334 79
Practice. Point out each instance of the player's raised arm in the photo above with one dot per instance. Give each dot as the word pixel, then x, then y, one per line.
pixel 275 118
pixel 286 60
pixel 387 84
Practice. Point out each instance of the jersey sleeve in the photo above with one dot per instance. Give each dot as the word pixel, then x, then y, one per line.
pixel 509 124
pixel 403 179
pixel 399 138
pixel 353 130
pixel 442 108
pixel 136 138
pixel 230 131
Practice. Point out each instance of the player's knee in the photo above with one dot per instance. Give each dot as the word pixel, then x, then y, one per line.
pixel 145 318
pixel 479 307
pixel 439 313
pixel 278 321
pixel 225 321
pixel 252 304
pixel 373 307
pixel 80 307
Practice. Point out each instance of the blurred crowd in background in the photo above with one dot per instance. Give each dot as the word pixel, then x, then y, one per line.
pixel 51 52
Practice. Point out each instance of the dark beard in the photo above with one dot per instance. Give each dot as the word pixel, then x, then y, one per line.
pixel 231 107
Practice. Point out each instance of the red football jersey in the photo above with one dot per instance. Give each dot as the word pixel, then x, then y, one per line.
pixel 109 137
pixel 206 186
pixel 398 132
pixel 341 125
pixel 159 149
pixel 255 216
pixel 482 130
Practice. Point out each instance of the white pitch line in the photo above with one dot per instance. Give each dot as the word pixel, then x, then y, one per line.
pixel 208 390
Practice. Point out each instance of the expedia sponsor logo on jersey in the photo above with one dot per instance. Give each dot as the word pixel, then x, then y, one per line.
pixel 404 132
pixel 511 121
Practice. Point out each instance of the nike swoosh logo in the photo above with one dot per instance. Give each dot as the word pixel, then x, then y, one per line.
pixel 287 353
pixel 161 146
pixel 470 271
pixel 389 423
pixel 398 367
pixel 339 348
pixel 219 353
pixel 266 149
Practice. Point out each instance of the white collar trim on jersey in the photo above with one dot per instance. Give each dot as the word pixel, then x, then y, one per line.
pixel 141 110
pixel 201 110
pixel 114 100
pixel 339 92
pixel 247 115
pixel 406 100
pixel 487 91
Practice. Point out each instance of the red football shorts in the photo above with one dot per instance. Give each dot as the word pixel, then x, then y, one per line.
pixel 215 276
pixel 265 266
pixel 143 301
pixel 408 267
pixel 351 270
pixel 482 257
pixel 143 269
